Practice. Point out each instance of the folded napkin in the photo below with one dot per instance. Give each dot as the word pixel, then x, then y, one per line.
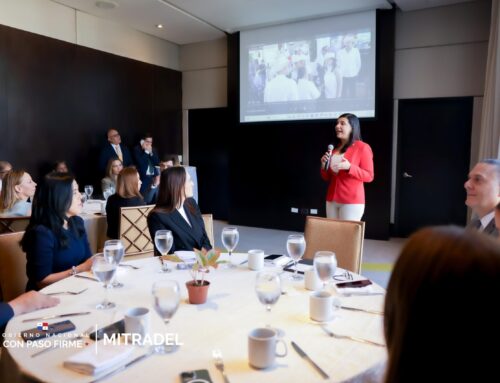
pixel 356 290
pixel 107 358
pixel 186 256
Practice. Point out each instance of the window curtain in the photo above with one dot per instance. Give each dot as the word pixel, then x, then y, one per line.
pixel 489 141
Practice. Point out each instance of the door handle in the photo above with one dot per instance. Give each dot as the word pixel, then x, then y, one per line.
pixel 406 175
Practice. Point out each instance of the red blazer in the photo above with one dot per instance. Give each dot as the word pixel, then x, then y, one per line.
pixel 346 186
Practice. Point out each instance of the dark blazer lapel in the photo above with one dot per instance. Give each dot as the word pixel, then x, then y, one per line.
pixel 179 221
pixel 195 227
pixel 491 228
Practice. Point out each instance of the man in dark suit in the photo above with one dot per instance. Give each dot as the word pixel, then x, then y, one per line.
pixel 25 303
pixel 483 195
pixel 114 149
pixel 146 160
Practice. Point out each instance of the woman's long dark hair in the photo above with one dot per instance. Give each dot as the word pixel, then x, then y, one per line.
pixel 171 193
pixel 51 202
pixel 355 133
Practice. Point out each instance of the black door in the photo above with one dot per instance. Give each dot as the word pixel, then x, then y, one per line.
pixel 208 151
pixel 433 162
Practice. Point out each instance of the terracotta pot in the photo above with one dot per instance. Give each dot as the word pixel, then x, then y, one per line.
pixel 197 294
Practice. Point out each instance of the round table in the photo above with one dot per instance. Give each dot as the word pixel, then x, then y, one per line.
pixel 231 312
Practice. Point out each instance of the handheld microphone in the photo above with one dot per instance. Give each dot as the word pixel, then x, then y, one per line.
pixel 327 163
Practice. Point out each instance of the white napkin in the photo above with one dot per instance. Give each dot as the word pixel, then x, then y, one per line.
pixel 107 358
pixel 356 290
pixel 186 256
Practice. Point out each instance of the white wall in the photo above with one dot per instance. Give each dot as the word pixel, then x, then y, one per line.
pixel 441 52
pixel 54 20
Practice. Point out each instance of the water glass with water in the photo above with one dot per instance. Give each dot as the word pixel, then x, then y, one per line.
pixel 166 299
pixel 163 242
pixel 114 252
pixel 89 189
pixel 325 263
pixel 230 237
pixel 296 246
pixel 104 271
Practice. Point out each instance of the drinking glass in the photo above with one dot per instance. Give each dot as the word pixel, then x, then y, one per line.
pixel 104 271
pixel 163 243
pixel 296 246
pixel 325 263
pixel 114 252
pixel 268 289
pixel 230 237
pixel 107 193
pixel 89 189
pixel 166 299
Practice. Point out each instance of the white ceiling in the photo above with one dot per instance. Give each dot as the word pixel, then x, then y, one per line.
pixel 191 21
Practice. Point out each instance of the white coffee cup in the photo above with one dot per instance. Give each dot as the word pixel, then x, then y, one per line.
pixel 322 306
pixel 255 259
pixel 262 343
pixel 311 280
pixel 103 207
pixel 137 322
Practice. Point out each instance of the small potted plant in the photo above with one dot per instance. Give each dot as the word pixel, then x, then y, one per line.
pixel 198 286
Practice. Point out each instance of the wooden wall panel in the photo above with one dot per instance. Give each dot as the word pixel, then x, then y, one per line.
pixel 57 100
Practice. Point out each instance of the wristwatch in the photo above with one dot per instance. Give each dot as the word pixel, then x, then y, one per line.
pixel 73 270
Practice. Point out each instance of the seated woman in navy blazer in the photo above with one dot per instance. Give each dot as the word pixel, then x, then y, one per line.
pixel 127 194
pixel 178 212
pixel 55 241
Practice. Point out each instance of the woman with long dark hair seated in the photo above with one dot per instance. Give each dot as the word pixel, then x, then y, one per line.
pixel 55 241
pixel 127 194
pixel 178 212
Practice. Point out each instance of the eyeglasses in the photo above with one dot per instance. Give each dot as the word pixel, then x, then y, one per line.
pixel 114 135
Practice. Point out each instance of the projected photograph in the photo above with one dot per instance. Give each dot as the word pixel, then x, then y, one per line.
pixel 319 70
pixel 309 71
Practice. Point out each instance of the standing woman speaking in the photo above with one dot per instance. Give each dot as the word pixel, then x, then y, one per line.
pixel 347 168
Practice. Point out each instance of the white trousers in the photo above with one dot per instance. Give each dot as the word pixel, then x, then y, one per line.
pixel 346 211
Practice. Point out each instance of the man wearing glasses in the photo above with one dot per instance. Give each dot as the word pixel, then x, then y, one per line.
pixel 114 149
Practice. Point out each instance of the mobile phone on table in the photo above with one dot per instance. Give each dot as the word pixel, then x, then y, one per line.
pixel 361 283
pixel 44 330
pixel 196 376
pixel 113 328
pixel 277 259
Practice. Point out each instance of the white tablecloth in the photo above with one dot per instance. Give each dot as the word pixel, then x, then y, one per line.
pixel 224 322
pixel 95 224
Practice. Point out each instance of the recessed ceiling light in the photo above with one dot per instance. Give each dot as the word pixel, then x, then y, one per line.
pixel 159 26
pixel 105 4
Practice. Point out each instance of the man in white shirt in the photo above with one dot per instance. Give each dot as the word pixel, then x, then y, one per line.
pixel 114 149
pixel 349 62
pixel 483 195
pixel 281 88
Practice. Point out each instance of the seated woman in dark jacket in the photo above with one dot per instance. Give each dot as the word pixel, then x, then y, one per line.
pixel 178 212
pixel 55 241
pixel 127 194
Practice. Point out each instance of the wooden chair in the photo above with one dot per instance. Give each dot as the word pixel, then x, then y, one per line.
pixel 345 238
pixel 134 231
pixel 209 227
pixel 13 224
pixel 13 277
